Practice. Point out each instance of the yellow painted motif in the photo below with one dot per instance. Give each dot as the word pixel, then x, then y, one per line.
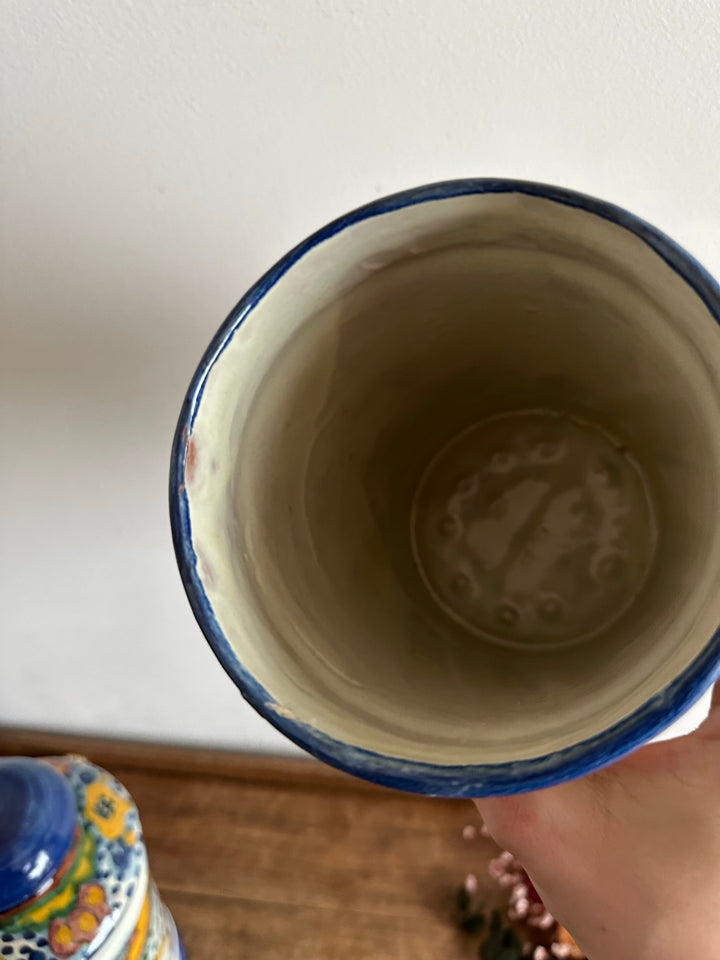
pixel 63 935
pixel 139 934
pixel 59 904
pixel 87 921
pixel 94 894
pixel 59 901
pixel 105 808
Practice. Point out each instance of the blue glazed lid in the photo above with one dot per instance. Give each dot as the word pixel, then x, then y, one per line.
pixel 38 817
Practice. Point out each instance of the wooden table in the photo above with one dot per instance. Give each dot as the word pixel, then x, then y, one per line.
pixel 264 858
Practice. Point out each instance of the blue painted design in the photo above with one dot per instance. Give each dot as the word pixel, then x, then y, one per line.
pixel 37 824
pixel 103 810
pixel 469 780
pixel 121 856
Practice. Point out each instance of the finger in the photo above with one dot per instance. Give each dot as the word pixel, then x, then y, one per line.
pixel 710 728
pixel 714 712
pixel 523 823
pixel 511 821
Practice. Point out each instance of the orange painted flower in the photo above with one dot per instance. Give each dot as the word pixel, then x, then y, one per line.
pixel 105 808
pixel 67 934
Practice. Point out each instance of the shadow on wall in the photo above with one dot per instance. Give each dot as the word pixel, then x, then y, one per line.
pixel 108 303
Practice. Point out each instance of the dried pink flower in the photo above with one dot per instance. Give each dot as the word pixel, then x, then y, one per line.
pixel 496 869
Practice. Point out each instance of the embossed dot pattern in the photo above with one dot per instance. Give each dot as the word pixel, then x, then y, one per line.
pixel 533 529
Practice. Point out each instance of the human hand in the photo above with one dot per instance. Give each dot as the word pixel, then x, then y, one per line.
pixel 628 859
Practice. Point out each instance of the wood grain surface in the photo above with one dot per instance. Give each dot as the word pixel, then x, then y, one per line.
pixel 263 858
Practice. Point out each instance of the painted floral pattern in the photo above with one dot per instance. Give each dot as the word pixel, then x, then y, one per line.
pixel 81 925
pixel 155 937
pixel 105 808
pixel 61 897
pixel 104 873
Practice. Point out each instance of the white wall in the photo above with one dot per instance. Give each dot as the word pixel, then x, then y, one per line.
pixel 158 155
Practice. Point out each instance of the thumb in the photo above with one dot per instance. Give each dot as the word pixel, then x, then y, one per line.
pixel 709 729
pixel 511 821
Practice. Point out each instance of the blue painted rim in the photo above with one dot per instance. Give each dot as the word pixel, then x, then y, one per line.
pixel 471 780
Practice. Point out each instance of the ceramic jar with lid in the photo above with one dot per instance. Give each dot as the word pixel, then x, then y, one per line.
pixel 74 877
